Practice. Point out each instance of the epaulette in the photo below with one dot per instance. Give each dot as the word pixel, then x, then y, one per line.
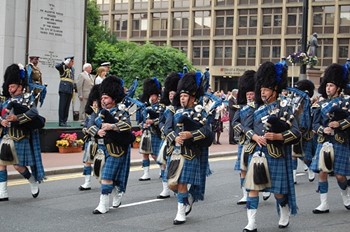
pixel 315 105
pixel 171 108
pixel 236 107
pixel 251 104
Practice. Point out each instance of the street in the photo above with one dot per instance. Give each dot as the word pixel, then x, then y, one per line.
pixel 62 207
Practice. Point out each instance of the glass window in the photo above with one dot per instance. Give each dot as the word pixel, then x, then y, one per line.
pixel 345 15
pixel 292 20
pixel 267 21
pixel 205 52
pixel 251 52
pixel 243 21
pixel 253 22
pixel 196 52
pixel 229 21
pixel 265 52
pixel 218 52
pixel 328 51
pixel 220 22
pixel 228 52
pixel 241 52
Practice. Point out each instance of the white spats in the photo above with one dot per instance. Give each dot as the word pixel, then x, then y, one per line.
pixel 180 215
pixel 284 216
pixel 34 186
pixel 3 191
pixel 323 207
pixel 103 206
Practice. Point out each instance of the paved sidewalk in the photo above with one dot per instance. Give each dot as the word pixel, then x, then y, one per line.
pixel 60 163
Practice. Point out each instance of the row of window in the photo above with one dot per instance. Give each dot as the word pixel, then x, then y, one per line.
pixel 245 53
pixel 164 4
pixel 323 22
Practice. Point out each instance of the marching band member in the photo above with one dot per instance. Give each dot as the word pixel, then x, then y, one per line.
pixel 246 105
pixel 272 129
pixel 169 91
pixel 92 108
pixel 150 139
pixel 112 130
pixel 35 80
pixel 300 97
pixel 331 123
pixel 20 142
pixel 190 134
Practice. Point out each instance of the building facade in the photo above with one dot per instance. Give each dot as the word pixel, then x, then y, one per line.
pixel 232 36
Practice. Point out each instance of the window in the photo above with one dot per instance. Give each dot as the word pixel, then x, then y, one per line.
pixel 201 3
pixel 223 53
pixel 139 25
pixel 224 2
pixel 224 22
pixel 292 46
pixel 181 4
pixel 343 50
pixel 270 49
pixel 272 21
pixel 202 23
pixel 294 20
pixel 248 2
pixel 181 45
pixel 248 21
pixel 325 50
pixel 246 52
pixel 121 4
pixel 160 4
pixel 140 4
pixel 159 24
pixel 344 26
pixel 180 24
pixel 121 25
pixel 323 19
pixel 103 5
pixel 201 53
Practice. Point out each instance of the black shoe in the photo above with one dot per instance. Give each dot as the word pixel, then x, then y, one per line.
pixel 62 124
pixel 163 197
pixel 282 226
pixel 147 179
pixel 117 206
pixel 246 230
pixel 241 202
pixel 316 211
pixel 96 212
pixel 4 199
pixel 265 198
pixel 81 188
pixel 176 222
pixel 347 207
pixel 35 195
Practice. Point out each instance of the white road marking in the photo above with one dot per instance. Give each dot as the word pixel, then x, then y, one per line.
pixel 138 203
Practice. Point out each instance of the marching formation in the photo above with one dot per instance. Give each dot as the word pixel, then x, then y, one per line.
pixel 274 125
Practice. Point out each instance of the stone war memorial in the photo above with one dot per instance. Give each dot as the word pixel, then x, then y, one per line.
pixel 49 29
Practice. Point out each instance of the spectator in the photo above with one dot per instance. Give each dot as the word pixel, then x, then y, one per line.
pixel 85 83
pixel 232 107
pixel 100 75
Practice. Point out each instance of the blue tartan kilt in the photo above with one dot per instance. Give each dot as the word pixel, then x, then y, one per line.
pixel 191 173
pixel 24 152
pixel 238 161
pixel 278 172
pixel 116 169
pixel 156 143
pixel 309 148
pixel 341 159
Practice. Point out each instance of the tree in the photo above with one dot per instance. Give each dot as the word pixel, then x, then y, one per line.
pixel 95 31
pixel 130 60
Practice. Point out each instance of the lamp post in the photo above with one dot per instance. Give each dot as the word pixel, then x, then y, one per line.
pixel 304 37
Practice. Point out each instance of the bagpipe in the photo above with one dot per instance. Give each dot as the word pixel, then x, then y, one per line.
pixel 121 138
pixel 338 111
pixel 21 106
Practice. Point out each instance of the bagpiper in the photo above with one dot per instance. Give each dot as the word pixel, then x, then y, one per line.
pixel 272 130
pixel 331 122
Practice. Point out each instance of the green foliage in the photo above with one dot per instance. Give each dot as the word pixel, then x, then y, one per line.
pixel 95 31
pixel 130 60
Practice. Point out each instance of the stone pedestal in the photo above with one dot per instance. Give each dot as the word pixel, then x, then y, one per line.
pixel 314 75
